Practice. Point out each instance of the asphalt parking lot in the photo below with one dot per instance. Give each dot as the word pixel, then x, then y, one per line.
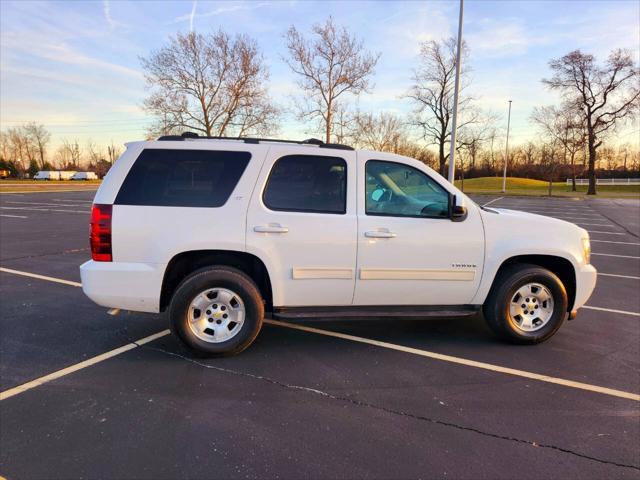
pixel 367 399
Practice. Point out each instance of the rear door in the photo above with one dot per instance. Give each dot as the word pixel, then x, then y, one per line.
pixel 302 223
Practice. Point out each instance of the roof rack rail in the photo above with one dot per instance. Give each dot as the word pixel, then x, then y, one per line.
pixel 309 141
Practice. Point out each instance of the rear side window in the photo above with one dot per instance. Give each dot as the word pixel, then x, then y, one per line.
pixel 307 183
pixel 182 178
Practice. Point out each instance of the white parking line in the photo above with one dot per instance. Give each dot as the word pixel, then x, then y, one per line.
pixel 377 343
pixel 43 204
pixel 56 190
pixel 596 224
pixel 33 209
pixel 575 212
pixel 606 233
pixel 490 202
pixel 613 255
pixel 79 366
pixel 600 274
pixel 40 277
pixel 611 310
pixel 462 361
pixel 619 243
pixel 12 216
pixel 71 200
pixel 572 219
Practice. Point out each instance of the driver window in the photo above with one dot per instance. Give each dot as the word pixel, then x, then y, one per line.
pixel 398 190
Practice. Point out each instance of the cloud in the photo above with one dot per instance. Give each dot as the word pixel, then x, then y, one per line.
pixel 503 38
pixel 216 12
pixel 61 52
pixel 106 8
pixel 193 14
pixel 401 33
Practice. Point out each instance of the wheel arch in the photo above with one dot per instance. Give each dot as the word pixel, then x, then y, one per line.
pixel 185 263
pixel 560 266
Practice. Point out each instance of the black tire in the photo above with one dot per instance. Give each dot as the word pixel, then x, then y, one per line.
pixel 217 277
pixel 505 286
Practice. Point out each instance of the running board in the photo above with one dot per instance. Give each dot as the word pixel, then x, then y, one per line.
pixel 374 312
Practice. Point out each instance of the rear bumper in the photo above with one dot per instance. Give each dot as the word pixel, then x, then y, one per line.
pixel 585 283
pixel 128 286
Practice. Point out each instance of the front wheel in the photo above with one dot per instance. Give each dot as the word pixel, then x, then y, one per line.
pixel 217 311
pixel 527 304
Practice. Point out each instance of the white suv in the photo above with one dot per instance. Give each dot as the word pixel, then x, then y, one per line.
pixel 219 231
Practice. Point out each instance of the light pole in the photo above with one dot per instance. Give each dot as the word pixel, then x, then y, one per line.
pixel 452 152
pixel 506 153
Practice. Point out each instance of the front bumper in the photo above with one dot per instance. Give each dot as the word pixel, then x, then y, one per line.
pixel 586 278
pixel 128 286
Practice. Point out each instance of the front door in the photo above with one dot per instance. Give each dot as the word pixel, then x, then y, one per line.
pixel 302 223
pixel 409 250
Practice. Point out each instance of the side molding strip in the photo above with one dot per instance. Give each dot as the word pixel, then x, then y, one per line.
pixel 415 274
pixel 322 273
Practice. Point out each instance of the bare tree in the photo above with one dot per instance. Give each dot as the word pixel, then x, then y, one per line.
pixel 213 84
pixel 38 137
pixel 432 95
pixel 472 138
pixel 329 66
pixel 563 125
pixel 94 154
pixel 113 153
pixel 383 132
pixel 68 155
pixel 549 161
pixel 605 94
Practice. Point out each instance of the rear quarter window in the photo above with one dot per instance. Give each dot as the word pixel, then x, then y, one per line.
pixel 182 178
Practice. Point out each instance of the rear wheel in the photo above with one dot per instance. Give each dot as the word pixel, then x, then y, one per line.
pixel 217 311
pixel 527 304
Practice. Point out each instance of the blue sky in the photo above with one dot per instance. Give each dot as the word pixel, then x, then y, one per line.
pixel 74 65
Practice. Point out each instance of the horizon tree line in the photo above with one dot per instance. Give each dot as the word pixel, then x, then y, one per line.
pixel 216 84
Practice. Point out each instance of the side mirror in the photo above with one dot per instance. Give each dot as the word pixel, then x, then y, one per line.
pixel 457 213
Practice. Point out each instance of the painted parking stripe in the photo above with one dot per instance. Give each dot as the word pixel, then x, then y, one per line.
pixel 79 366
pixel 12 216
pixel 71 200
pixel 54 190
pixel 606 233
pixel 597 224
pixel 461 361
pixel 558 212
pixel 619 243
pixel 491 201
pixel 34 209
pixel 631 277
pixel 613 255
pixel 40 277
pixel 43 204
pixel 391 346
pixel 611 310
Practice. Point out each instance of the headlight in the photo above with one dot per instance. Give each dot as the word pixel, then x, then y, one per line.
pixel 586 250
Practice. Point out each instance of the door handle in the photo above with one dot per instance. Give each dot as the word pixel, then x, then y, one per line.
pixel 379 234
pixel 271 228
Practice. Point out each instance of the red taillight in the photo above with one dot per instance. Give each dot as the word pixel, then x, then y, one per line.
pixel 100 236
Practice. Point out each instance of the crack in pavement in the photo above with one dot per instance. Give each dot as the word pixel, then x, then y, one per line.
pixel 614 221
pixel 363 404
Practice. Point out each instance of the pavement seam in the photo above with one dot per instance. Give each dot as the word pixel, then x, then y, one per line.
pixel 614 222
pixel 363 404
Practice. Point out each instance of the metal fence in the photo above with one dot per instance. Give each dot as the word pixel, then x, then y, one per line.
pixel 607 181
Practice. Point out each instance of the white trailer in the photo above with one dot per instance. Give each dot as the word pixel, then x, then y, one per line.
pixel 85 176
pixel 66 175
pixel 47 175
